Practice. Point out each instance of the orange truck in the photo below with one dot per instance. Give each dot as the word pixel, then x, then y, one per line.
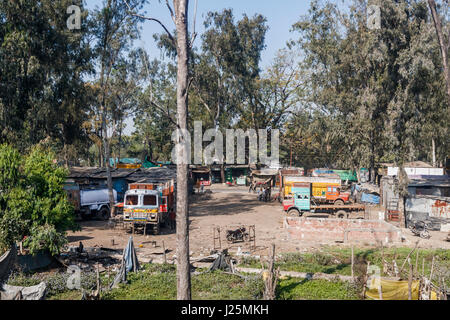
pixel 149 204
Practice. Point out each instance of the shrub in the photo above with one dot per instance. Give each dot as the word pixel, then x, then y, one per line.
pixel 33 203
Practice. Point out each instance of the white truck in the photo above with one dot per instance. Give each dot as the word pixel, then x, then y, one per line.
pixel 90 202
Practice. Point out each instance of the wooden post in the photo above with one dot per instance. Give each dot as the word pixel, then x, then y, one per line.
pixel 423 267
pixel 97 294
pixel 254 238
pixel 417 259
pixel 271 280
pixel 407 257
pixel 380 290
pixel 164 252
pixel 410 282
pixel 432 267
pixel 365 280
pixel 353 259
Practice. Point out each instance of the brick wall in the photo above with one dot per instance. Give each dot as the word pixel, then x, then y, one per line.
pixel 346 230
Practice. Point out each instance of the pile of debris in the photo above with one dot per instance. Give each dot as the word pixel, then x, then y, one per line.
pixel 87 258
pixel 366 193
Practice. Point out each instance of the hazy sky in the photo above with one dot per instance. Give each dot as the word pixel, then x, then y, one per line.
pixel 281 15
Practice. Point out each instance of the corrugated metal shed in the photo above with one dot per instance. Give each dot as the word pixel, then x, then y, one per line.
pixel 435 209
pixel 155 174
pixel 98 173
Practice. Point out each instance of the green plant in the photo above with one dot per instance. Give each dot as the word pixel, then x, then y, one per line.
pixel 33 203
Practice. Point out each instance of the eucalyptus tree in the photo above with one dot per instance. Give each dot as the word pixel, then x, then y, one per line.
pixel 183 44
pixel 115 31
pixel 42 65
pixel 374 82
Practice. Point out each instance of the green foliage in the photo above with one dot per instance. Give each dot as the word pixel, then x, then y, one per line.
pixel 10 162
pixel 333 260
pixel 158 282
pixel 375 90
pixel 303 289
pixel 36 208
pixel 42 64
pixel 56 283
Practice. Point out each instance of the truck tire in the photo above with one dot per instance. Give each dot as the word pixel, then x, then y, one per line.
pixel 157 229
pixel 341 214
pixel 103 213
pixel 339 202
pixel 294 213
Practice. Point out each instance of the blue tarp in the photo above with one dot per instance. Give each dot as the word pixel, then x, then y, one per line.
pixel 370 198
pixel 129 263
pixel 130 257
pixel 113 161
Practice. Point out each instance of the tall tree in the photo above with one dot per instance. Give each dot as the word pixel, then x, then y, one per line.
pixel 183 44
pixel 115 30
pixel 42 65
pixel 443 43
pixel 373 82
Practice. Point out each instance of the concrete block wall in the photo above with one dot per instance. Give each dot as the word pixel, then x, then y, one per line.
pixel 346 230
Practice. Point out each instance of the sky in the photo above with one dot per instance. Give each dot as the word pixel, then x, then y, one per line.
pixel 280 15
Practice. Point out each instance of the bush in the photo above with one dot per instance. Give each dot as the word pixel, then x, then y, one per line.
pixel 33 203
pixel 57 284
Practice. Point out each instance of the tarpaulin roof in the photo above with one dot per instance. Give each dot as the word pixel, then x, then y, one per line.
pixel 113 161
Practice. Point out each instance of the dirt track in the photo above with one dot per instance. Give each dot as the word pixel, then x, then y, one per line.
pixel 221 206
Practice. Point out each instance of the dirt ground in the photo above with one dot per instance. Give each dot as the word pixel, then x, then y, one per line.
pixel 224 207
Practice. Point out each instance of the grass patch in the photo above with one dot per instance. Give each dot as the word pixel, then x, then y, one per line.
pixel 302 289
pixel 158 282
pixel 56 283
pixel 335 260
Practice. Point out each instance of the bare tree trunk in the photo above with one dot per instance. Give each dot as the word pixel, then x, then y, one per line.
pixel 183 265
pixel 120 138
pixel 442 45
pixel 433 151
pixel 104 110
pixel 106 146
pixel 107 156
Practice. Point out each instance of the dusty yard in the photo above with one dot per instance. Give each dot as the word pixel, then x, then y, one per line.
pixel 224 207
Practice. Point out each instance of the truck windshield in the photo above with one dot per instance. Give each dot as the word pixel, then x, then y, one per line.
pixel 132 200
pixel 149 200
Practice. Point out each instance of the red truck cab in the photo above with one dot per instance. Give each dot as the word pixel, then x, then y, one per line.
pixel 334 195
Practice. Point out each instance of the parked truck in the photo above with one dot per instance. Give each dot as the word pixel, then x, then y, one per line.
pixel 323 190
pixel 302 201
pixel 90 201
pixel 149 204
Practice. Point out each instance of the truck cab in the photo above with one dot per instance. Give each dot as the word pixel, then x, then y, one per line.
pixel 142 207
pixel 333 195
pixel 147 204
pixel 300 199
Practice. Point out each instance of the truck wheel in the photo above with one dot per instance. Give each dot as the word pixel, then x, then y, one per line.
pixel 103 213
pixel 294 213
pixel 341 214
pixel 156 229
pixel 339 203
